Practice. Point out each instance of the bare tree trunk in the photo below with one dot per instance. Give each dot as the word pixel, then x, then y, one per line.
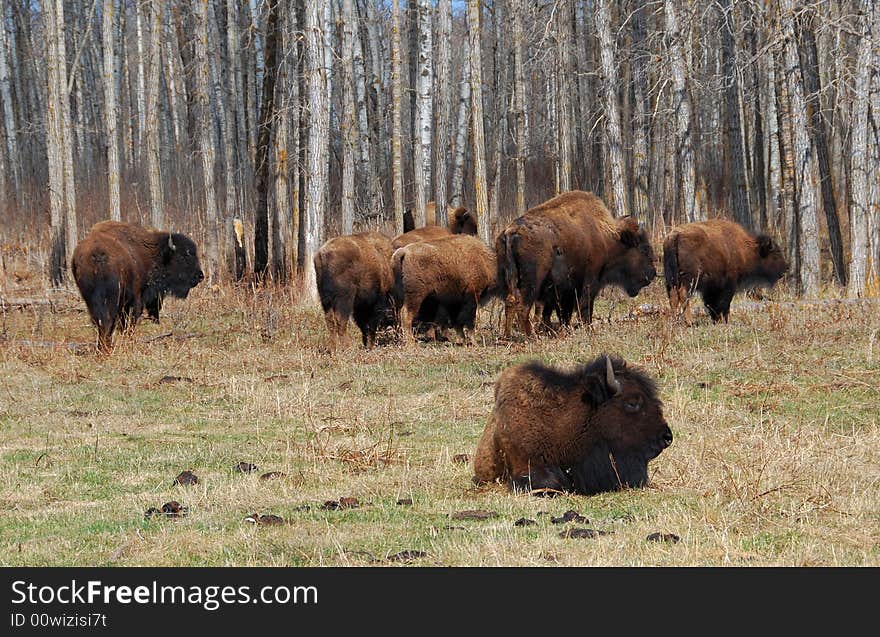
pixel 738 194
pixel 366 140
pixel 642 113
pixel 110 105
pixel 141 91
pixel 613 136
pixel 861 166
pixel 563 121
pixel 396 118
pixel 235 137
pixel 8 116
pixel 262 164
pixel 774 167
pixel 236 90
pixel 424 113
pixel 758 174
pixel 319 134
pixel 443 99
pixel 481 194
pixel 54 146
pixel 206 137
pixel 349 130
pixel 281 237
pixel 519 102
pixel 151 132
pixel 681 104
pixel 463 127
pixel 806 176
pixel 813 88
pixel 66 137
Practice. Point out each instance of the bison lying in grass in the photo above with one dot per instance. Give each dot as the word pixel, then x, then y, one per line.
pixel 353 274
pixel 588 430
pixel 122 269
pixel 443 281
pixel 717 258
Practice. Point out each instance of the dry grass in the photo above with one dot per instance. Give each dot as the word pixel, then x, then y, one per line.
pixel 775 459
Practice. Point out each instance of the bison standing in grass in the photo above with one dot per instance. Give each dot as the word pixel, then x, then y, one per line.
pixel 717 258
pixel 442 282
pixel 596 249
pixel 591 429
pixel 460 222
pixel 121 269
pixel 354 279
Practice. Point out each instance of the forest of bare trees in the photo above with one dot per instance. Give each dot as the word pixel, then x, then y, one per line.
pixel 307 119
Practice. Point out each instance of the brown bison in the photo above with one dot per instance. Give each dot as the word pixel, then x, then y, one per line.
pixel 431 216
pixel 717 257
pixel 354 279
pixel 591 429
pixel 443 281
pixel 575 234
pixel 460 222
pixel 121 269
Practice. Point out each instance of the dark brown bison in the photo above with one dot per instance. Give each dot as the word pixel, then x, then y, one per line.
pixel 443 281
pixel 121 269
pixel 431 217
pixel 717 257
pixel 572 233
pixel 460 221
pixel 591 429
pixel 354 279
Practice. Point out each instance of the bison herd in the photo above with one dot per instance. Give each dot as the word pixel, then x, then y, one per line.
pixel 586 430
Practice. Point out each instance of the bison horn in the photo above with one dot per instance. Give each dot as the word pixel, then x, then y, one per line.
pixel 612 382
pixel 171 243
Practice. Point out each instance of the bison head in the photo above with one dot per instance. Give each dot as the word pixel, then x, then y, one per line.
pixel 631 266
pixel 180 270
pixel 628 424
pixel 462 222
pixel 771 264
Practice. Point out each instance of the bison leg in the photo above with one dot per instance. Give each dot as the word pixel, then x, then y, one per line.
pixel 105 335
pixel 408 312
pixel 717 302
pixel 336 316
pixel 542 480
pixel 488 459
pixel 679 303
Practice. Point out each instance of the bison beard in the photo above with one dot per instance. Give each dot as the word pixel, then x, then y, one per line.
pixel 586 431
pixel 122 269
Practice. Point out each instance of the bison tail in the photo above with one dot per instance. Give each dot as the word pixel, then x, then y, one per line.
pixel 397 268
pixel 670 263
pixel 508 270
pixel 323 279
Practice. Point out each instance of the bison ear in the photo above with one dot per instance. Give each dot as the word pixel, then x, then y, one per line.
pixel 765 245
pixel 629 232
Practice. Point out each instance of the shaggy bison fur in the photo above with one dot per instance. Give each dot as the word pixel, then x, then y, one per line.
pixel 717 258
pixel 573 235
pixel 460 221
pixel 121 269
pixel 443 281
pixel 588 430
pixel 354 279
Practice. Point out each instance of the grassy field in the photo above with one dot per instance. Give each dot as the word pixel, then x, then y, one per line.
pixel 776 457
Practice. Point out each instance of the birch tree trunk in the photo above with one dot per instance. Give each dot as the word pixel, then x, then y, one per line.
pixel 8 116
pixel 806 179
pixel 110 106
pixel 365 139
pixel 738 190
pixel 54 144
pixel 613 136
pixel 860 196
pixel 476 78
pixel 442 100
pixel 642 112
pixel 281 237
pixel 462 130
pixel 681 105
pixel 234 137
pixel 206 136
pixel 424 113
pixel 141 91
pixel 151 120
pixel 563 117
pixel 236 89
pixel 817 128
pixel 262 164
pixel 396 118
pixel 66 137
pixel 349 140
pixel 519 105
pixel 319 134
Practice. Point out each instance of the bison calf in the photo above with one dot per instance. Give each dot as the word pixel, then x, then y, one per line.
pixel 354 279
pixel 588 430
pixel 717 258
pixel 123 268
pixel 443 282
